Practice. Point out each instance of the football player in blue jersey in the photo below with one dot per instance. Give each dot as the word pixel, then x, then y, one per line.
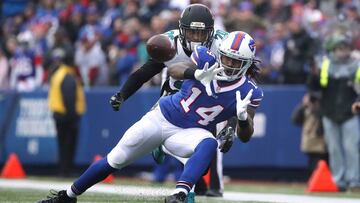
pixel 182 122
pixel 196 27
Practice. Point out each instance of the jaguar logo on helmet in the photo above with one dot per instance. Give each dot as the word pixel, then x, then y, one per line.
pixel 197 25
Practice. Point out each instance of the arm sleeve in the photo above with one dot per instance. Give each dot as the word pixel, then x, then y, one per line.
pixel 139 77
pixel 68 88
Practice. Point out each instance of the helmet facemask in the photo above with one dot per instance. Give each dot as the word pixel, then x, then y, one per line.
pixel 194 35
pixel 234 67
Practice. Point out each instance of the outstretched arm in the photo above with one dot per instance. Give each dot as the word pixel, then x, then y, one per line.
pixel 245 128
pixel 135 81
pixel 182 70
pixel 141 76
pixel 245 115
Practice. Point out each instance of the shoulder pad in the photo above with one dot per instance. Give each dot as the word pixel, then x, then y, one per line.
pixel 201 55
pixel 219 35
pixel 171 34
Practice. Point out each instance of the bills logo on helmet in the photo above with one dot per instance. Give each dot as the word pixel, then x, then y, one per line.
pixel 237 41
pixel 252 45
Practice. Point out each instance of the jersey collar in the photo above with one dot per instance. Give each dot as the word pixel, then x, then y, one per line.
pixel 228 87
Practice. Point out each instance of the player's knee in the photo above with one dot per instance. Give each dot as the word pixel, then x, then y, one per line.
pixel 208 144
pixel 117 159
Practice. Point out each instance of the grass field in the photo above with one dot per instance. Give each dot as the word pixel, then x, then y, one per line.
pixel 31 194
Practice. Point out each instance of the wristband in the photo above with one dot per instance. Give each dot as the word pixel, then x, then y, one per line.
pixel 189 73
pixel 243 124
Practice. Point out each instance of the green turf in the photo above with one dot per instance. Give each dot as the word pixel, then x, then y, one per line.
pixel 26 195
pixel 21 195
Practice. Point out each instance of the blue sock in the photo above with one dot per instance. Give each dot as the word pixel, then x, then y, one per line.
pixel 197 164
pixel 94 174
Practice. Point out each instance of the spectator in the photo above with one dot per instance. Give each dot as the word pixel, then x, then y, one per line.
pixel 127 42
pixel 338 74
pixel 53 56
pixel 131 10
pixel 277 12
pixel 276 46
pixel 4 71
pixel 145 34
pixel 75 22
pixel 158 24
pixel 90 59
pixel 295 57
pixel 151 8
pixel 243 19
pixel 10 8
pixel 307 114
pixel 25 75
pixel 38 21
pixel 67 102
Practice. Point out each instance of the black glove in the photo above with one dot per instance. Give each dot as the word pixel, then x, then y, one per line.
pixel 226 138
pixel 116 100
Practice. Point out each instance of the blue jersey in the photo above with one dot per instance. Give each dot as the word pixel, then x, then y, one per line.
pixel 192 107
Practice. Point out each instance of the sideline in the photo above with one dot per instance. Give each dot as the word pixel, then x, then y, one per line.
pixel 158 191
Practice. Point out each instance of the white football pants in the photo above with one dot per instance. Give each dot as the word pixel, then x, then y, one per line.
pixel 152 131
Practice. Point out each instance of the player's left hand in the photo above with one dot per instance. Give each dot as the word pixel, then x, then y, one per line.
pixel 206 75
pixel 226 138
pixel 115 101
pixel 241 105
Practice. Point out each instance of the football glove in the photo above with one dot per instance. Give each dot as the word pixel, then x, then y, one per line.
pixel 241 105
pixel 116 100
pixel 226 138
pixel 206 75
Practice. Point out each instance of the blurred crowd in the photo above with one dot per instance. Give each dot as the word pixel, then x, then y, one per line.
pixel 106 39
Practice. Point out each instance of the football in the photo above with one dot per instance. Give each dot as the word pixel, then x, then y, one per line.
pixel 160 48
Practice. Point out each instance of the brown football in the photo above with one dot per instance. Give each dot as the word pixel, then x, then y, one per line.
pixel 160 48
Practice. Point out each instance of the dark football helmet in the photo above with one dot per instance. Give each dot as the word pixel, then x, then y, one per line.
pixel 196 27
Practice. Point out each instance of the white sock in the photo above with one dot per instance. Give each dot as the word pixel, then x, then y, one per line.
pixel 192 189
pixel 177 190
pixel 70 193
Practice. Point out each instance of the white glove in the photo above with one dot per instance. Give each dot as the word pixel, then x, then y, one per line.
pixel 241 105
pixel 206 75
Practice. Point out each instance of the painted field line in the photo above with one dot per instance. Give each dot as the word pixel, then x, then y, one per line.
pixel 159 191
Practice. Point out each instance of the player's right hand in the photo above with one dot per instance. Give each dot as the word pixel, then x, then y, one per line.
pixel 355 108
pixel 115 101
pixel 241 105
pixel 206 75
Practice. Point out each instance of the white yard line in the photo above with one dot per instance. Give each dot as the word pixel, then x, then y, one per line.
pixel 158 191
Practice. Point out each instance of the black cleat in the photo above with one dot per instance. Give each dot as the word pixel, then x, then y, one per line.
pixel 176 198
pixel 58 197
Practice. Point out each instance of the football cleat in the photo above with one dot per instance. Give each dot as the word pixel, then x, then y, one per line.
pixel 191 197
pixel 176 198
pixel 158 155
pixel 58 197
